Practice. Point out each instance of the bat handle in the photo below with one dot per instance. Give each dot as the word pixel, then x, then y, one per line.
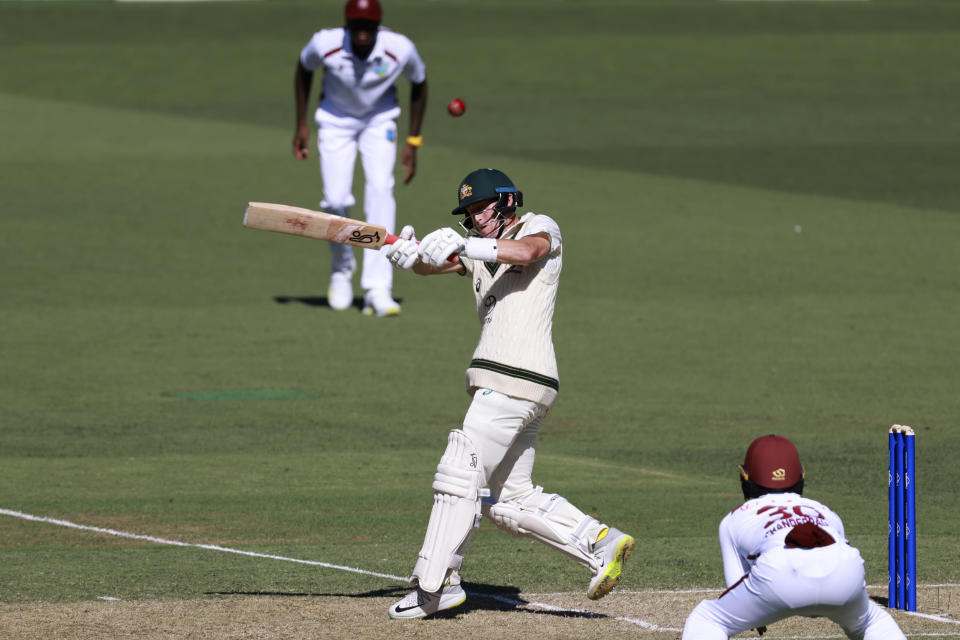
pixel 392 238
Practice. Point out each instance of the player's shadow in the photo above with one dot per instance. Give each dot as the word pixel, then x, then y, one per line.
pixel 313 301
pixel 480 597
pixel 320 301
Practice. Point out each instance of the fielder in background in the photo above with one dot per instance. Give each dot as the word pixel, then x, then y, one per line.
pixel 785 555
pixel 358 110
pixel 513 265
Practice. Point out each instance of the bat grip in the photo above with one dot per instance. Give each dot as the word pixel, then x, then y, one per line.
pixel 392 238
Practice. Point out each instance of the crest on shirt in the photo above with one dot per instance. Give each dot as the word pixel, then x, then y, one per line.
pixel 380 67
pixel 465 191
pixel 779 474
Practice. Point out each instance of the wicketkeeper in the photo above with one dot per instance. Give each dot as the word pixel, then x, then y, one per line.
pixel 785 555
pixel 514 268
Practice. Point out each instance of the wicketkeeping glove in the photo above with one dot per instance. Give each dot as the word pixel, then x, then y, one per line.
pixel 404 253
pixel 439 245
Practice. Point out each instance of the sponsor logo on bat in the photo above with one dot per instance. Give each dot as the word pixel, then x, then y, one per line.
pixel 365 238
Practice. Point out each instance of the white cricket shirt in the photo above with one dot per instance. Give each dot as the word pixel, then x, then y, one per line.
pixel 358 88
pixel 515 305
pixel 762 524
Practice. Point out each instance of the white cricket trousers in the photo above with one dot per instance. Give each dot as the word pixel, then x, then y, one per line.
pixel 504 431
pixel 824 582
pixel 338 140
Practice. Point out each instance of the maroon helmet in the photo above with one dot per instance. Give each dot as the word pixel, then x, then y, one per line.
pixel 363 10
pixel 772 465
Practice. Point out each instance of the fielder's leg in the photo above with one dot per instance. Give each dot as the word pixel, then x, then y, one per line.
pixel 872 623
pixel 378 152
pixel 337 145
pixel 455 514
pixel 860 617
pixel 739 608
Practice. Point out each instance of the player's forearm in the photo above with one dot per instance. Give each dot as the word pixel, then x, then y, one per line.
pixel 418 106
pixel 522 252
pixel 302 80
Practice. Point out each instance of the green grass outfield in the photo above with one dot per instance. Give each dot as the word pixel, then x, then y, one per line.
pixel 761 218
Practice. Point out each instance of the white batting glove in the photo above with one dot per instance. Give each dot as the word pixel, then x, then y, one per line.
pixel 404 253
pixel 439 245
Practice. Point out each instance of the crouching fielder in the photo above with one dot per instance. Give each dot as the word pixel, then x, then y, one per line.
pixel 785 555
pixel 514 269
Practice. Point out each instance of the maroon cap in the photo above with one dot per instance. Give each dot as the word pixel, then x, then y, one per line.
pixel 772 462
pixel 363 10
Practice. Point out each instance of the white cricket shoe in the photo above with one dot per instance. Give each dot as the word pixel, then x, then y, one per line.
pixel 419 603
pixel 379 303
pixel 340 291
pixel 611 550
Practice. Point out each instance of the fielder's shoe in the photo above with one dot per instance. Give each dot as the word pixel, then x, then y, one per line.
pixel 419 603
pixel 340 291
pixel 379 303
pixel 611 550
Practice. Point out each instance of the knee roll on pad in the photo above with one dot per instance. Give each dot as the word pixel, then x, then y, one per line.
pixel 552 520
pixel 455 513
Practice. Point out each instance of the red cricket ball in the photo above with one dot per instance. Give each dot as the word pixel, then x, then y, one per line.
pixel 456 107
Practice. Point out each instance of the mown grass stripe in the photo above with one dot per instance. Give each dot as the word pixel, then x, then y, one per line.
pixel 253 394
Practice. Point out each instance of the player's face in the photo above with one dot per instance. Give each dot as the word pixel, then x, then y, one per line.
pixel 363 35
pixel 485 220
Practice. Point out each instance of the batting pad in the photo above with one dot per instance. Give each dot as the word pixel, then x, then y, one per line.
pixel 455 514
pixel 550 519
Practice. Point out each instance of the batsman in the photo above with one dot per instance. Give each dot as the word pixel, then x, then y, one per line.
pixel 513 265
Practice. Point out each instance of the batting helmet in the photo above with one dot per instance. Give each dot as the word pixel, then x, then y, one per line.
pixel 486 184
pixel 363 10
pixel 771 465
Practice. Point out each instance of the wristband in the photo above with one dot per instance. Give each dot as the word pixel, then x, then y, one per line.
pixel 481 249
pixel 415 141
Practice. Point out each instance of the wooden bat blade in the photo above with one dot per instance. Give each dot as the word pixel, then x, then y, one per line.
pixel 297 221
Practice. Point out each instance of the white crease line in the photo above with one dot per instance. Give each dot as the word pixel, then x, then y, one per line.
pixel 930 616
pixel 214 547
pixel 177 543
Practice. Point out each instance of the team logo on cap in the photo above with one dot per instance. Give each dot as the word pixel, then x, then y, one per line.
pixel 465 191
pixel 779 474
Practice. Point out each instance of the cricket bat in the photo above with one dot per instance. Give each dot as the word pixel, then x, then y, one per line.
pixel 296 221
